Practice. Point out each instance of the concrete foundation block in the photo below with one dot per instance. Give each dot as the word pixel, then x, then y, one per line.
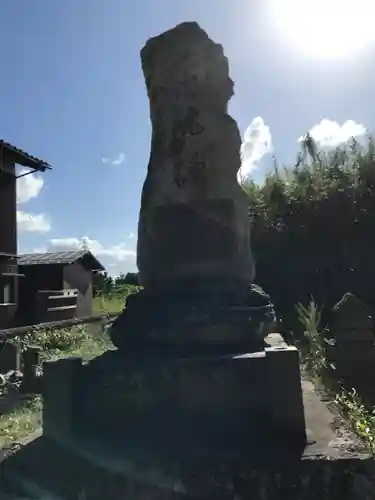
pixel 59 396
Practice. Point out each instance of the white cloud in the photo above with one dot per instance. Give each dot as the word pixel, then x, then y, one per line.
pixel 117 161
pixel 28 187
pixel 329 134
pixel 131 235
pixel 117 259
pixel 120 252
pixel 36 223
pixel 38 250
pixel 256 143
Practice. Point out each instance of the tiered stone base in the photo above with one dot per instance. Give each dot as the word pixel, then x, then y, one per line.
pixel 333 467
pixel 189 318
pixel 170 400
pixel 221 427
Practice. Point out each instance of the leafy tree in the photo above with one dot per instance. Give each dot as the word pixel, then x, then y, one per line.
pixel 313 225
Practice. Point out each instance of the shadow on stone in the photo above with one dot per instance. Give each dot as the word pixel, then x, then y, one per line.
pixel 138 474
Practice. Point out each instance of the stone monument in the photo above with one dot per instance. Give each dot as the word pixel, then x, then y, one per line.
pixel 194 255
pixel 193 222
pixel 194 402
pixel 181 340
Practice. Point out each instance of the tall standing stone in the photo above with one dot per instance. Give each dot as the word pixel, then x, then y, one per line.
pixel 191 342
pixel 194 216
pixel 194 254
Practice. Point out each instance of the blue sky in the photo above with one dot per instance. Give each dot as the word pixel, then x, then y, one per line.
pixel 72 93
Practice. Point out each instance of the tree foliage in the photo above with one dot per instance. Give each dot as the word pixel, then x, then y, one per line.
pixel 313 226
pixel 120 286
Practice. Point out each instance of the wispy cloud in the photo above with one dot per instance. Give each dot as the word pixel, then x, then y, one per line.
pixel 34 223
pixel 38 250
pixel 28 187
pixel 120 252
pixel 116 161
pixel 329 134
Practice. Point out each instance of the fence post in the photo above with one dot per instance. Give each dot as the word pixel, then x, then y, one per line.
pixel 31 360
pixel 10 357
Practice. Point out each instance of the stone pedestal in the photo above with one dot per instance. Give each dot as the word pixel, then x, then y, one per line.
pixel 189 320
pixel 238 431
pixel 155 423
pixel 197 403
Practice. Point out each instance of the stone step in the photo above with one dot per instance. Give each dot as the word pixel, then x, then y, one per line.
pixel 333 465
pixel 73 476
pixel 20 488
pixel 45 469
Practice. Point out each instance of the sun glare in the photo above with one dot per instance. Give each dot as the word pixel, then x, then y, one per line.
pixel 327 29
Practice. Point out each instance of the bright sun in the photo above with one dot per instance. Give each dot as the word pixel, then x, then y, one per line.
pixel 325 28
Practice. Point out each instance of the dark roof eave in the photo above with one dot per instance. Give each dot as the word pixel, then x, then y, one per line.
pixel 96 267
pixel 60 259
pixel 23 158
pixel 95 264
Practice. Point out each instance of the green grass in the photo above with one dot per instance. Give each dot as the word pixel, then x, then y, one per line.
pixel 85 341
pixel 82 341
pixel 105 304
pixel 21 422
pixel 114 300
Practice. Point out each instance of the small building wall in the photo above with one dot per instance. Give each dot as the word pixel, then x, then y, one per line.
pixel 40 277
pixel 8 241
pixel 51 278
pixel 8 208
pixel 8 292
pixel 79 277
pixel 7 316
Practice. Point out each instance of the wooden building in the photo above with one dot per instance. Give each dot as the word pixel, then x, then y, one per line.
pixel 56 285
pixel 9 274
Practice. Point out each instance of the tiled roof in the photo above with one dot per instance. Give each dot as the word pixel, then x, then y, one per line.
pixel 24 158
pixel 31 259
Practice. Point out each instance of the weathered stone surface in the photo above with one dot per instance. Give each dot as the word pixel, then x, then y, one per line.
pixel 351 313
pixel 194 216
pixel 353 350
pixel 191 399
pixel 184 320
pixel 193 254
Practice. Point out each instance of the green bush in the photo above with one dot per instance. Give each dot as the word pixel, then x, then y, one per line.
pixel 63 339
pixel 314 354
pixel 313 227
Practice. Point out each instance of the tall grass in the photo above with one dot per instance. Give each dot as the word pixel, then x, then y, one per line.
pixel 79 341
pixel 313 226
pixel 315 364
pixel 113 300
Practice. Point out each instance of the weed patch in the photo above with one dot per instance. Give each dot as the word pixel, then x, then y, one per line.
pixel 315 365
